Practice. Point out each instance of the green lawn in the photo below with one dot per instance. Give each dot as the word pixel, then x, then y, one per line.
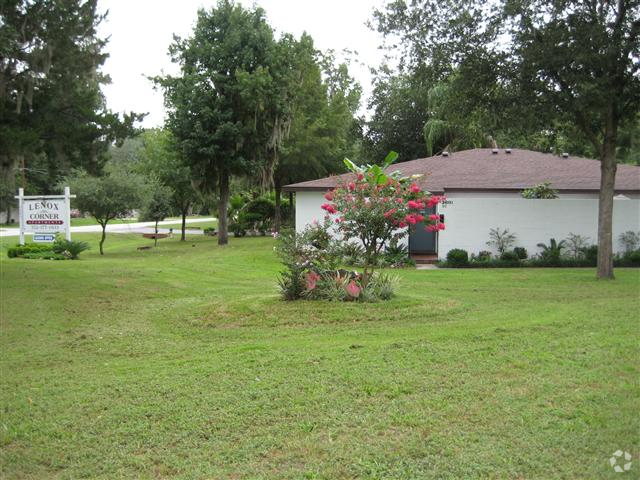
pixel 182 362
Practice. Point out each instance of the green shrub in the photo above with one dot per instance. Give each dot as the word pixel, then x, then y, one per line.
pixel 510 256
pixel 69 248
pixel 351 254
pixel 591 254
pixel 457 258
pixel 482 256
pixel 45 255
pixel 258 214
pixel 629 259
pixel 20 250
pixel 381 286
pixel 521 253
pixel 396 256
pixel 630 241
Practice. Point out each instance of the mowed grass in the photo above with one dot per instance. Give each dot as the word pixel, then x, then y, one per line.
pixel 182 362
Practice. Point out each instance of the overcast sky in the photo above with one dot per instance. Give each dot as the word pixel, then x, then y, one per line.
pixel 140 32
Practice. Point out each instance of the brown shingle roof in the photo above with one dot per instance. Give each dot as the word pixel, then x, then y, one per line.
pixel 480 169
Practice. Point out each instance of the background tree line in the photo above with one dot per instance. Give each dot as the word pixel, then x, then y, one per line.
pixel 251 110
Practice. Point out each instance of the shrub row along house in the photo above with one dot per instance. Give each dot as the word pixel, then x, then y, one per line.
pixel 484 190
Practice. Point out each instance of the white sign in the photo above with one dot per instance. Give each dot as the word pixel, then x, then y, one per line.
pixel 44 216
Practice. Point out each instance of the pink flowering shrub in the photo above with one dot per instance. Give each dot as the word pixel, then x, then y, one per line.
pixel 373 209
pixel 376 208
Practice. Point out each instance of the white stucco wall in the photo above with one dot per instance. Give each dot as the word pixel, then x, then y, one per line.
pixel 468 219
pixel 308 208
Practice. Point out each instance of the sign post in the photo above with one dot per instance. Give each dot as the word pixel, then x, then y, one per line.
pixel 44 215
pixel 20 198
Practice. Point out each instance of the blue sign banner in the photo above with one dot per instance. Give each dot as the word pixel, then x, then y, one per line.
pixel 43 237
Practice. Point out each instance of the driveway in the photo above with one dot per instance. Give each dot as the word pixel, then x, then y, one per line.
pixel 138 227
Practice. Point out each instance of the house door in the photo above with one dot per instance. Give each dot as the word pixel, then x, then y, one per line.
pixel 422 241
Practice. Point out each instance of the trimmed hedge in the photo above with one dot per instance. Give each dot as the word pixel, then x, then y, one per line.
pixel 21 250
pixel 457 258
pixel 46 255
pixel 631 259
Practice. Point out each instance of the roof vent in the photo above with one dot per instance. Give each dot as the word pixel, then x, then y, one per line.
pixel 445 154
pixel 494 151
pixel 507 150
pixel 565 155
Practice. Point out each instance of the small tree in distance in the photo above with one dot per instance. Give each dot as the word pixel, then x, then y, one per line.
pixel 157 208
pixel 106 198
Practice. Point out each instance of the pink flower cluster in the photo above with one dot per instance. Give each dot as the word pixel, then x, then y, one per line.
pixel 435 199
pixel 435 227
pixel 329 207
pixel 401 205
pixel 414 218
pixel 311 279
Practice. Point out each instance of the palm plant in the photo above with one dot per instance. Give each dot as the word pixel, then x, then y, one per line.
pixel 553 250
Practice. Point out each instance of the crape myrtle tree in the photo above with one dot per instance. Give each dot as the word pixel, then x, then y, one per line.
pixel 571 65
pixel 105 198
pixel 54 116
pixel 216 105
pixel 375 208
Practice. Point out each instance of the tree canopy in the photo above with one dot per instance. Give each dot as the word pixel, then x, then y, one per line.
pixel 54 116
pixel 534 72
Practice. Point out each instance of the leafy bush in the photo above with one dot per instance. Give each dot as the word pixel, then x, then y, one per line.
pixel 396 256
pixel 482 256
pixel 351 254
pixel 21 250
pixel 510 256
pixel 575 245
pixel 381 286
pixel 45 255
pixel 69 248
pixel 457 258
pixel 629 259
pixel 542 190
pixel 591 254
pixel 521 253
pixel 630 241
pixel 258 214
pixel 311 258
pixel 301 253
pixel 501 240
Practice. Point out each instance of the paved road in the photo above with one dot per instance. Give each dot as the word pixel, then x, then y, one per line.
pixel 138 227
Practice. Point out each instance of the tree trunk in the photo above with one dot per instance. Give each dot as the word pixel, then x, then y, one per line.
pixel 155 237
pixel 223 234
pixel 104 235
pixel 291 209
pixel 277 220
pixel 605 207
pixel 183 235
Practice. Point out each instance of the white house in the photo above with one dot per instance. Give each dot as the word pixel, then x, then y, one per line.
pixel 483 189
